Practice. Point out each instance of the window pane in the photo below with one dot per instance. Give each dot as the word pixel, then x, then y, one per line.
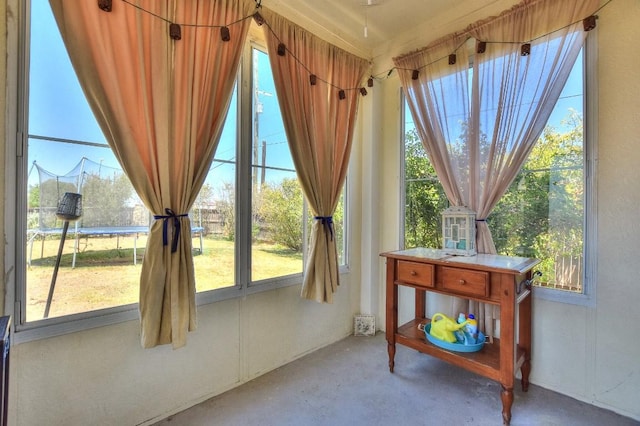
pixel 67 153
pixel 215 212
pixel 542 213
pixel 107 240
pixel 424 197
pixel 277 200
pixel 339 228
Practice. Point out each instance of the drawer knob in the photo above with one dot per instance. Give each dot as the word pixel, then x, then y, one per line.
pixel 414 273
pixel 462 282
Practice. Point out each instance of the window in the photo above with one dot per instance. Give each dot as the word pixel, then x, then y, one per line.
pixel 249 221
pixel 279 212
pixel 278 204
pixel 546 213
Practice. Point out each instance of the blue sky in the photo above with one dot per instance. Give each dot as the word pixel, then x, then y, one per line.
pixel 58 109
pixel 570 99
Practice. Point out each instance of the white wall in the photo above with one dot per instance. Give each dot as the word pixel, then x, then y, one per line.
pixel 103 376
pixel 591 354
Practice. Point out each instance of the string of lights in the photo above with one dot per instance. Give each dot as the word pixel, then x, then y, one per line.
pixel 588 24
pixel 313 78
pixel 175 32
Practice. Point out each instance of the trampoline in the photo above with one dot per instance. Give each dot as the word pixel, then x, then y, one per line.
pixel 110 207
pixel 117 231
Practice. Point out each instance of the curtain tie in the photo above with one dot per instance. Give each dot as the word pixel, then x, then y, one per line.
pixel 176 224
pixel 327 222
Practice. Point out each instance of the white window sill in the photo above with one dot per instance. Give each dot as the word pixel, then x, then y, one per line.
pixel 562 296
pixel 53 327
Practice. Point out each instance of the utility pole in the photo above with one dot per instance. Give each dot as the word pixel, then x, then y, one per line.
pixel 258 109
pixel 254 163
pixel 264 164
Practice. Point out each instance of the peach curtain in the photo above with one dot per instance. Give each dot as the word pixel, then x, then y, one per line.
pixel 319 127
pixel 479 124
pixel 161 104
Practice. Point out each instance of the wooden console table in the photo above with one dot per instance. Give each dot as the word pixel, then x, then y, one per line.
pixel 499 280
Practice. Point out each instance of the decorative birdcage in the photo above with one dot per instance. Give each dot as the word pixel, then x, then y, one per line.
pixel 69 209
pixel 70 206
pixel 459 231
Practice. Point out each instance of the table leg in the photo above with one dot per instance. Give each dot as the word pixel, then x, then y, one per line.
pixel 524 324
pixel 391 312
pixel 420 304
pixel 391 349
pixel 507 401
pixel 525 370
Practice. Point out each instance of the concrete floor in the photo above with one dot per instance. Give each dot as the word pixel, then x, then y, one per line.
pixel 349 383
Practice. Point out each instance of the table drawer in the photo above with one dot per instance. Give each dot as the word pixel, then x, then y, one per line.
pixel 466 282
pixel 416 273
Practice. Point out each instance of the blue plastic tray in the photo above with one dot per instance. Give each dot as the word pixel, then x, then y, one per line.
pixel 457 347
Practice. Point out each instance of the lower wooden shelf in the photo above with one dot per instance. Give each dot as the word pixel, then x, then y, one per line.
pixel 485 362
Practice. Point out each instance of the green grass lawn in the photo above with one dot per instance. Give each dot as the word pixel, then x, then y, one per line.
pixel 105 275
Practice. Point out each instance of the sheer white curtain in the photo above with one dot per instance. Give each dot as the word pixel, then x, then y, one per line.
pixel 513 95
pixel 479 119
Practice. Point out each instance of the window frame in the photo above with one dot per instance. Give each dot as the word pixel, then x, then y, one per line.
pixel 590 147
pixel 16 173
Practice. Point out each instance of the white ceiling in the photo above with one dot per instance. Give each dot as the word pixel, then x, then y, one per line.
pixel 386 20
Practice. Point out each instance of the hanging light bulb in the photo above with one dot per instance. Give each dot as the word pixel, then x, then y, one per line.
pixel 366 29
pixel 225 34
pixel 589 23
pixel 367 4
pixel 105 5
pixel 175 31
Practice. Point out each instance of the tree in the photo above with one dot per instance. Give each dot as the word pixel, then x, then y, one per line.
pixel 202 204
pixel 227 207
pixel 540 215
pixel 34 197
pixel 104 200
pixel 424 196
pixel 280 212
